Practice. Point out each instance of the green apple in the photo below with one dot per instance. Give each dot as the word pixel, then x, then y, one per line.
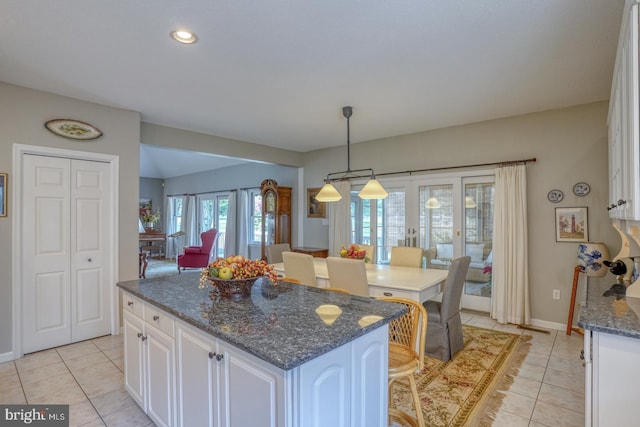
pixel 225 273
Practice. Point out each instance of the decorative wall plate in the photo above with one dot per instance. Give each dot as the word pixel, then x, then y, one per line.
pixel 581 189
pixel 73 129
pixel 555 196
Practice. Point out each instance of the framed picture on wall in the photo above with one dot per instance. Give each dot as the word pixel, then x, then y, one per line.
pixel 572 225
pixel 3 194
pixel 315 209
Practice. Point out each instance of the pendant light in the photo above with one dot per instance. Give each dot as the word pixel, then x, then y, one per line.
pixel 372 189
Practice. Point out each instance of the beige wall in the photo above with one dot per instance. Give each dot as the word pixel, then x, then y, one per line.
pixel 570 145
pixel 23 113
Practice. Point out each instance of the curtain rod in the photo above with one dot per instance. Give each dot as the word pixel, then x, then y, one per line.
pixel 410 172
pixel 206 192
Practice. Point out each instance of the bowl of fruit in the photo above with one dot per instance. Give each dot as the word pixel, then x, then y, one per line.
pixel 234 276
pixel 354 252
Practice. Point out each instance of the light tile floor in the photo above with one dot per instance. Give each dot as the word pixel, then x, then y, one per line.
pixel 549 390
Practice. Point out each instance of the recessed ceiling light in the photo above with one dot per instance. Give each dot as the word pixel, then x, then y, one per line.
pixel 183 36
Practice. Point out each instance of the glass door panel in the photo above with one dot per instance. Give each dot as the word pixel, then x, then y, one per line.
pixel 437 209
pixel 479 195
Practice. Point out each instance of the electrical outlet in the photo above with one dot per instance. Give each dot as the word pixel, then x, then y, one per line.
pixel 556 294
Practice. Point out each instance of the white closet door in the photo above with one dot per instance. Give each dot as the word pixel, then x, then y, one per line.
pixel 65 289
pixel 90 249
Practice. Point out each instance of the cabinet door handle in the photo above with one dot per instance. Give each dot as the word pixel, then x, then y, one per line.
pixel 388 294
pixel 621 202
pixel 582 354
pixel 156 317
pixel 219 357
pixel 130 303
pixel 211 355
pixel 139 334
pixel 89 260
pixel 144 338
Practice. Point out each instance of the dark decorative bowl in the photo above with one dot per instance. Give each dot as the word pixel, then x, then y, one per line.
pixel 233 288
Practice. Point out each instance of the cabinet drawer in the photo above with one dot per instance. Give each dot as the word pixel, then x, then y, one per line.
pixel 132 304
pixel 389 292
pixel 158 318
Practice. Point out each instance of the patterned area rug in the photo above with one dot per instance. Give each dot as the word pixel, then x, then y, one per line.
pixel 158 267
pixel 466 391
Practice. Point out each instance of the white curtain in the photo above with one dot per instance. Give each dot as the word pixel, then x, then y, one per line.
pixel 171 247
pixel 340 219
pixel 230 230
pixel 510 295
pixel 190 219
pixel 243 221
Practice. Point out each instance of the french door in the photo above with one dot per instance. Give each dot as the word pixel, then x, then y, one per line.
pixel 447 215
pixel 213 214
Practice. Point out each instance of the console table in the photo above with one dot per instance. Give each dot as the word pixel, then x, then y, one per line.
pixel 314 252
pixel 153 241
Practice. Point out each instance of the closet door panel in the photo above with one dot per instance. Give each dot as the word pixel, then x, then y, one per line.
pixel 46 253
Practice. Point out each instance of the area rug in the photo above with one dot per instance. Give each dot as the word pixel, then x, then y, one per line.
pixel 160 267
pixel 467 390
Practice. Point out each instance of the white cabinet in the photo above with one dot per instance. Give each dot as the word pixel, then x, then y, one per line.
pixel 624 125
pixel 150 361
pixel 612 391
pixel 217 384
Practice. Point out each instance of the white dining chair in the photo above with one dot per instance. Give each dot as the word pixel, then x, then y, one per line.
pixel 348 274
pixel 274 252
pixel 299 266
pixel 406 256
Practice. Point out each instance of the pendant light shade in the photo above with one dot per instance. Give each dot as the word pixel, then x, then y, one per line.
pixel 469 203
pixel 432 203
pixel 328 193
pixel 373 190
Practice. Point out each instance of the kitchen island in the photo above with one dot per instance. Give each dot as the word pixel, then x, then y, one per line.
pixel 611 322
pixel 273 359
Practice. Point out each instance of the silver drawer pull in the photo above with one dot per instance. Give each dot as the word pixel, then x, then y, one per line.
pixel 130 303
pixel 139 334
pixel 156 317
pixel 388 294
pixel 211 355
pixel 219 357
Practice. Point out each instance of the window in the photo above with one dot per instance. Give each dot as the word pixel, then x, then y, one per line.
pixel 213 210
pixel 176 219
pixel 255 216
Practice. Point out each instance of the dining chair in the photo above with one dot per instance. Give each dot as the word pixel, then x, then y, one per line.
pixel 371 251
pixel 348 274
pixel 406 334
pixel 444 333
pixel 339 290
pixel 299 266
pixel 406 256
pixel 274 252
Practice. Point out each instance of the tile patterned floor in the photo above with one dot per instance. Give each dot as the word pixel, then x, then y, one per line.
pixel 549 390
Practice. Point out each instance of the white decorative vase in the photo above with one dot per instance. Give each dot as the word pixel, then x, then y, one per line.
pixel 590 257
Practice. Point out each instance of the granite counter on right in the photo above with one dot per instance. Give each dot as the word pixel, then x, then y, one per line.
pixel 611 323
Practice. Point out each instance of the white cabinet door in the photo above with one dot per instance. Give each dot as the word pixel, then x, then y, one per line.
pixel 197 379
pixel 133 329
pixel 160 374
pixel 325 385
pixel 246 379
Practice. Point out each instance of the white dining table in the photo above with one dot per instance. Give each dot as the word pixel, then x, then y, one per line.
pixel 419 284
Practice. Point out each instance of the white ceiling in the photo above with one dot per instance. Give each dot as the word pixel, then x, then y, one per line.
pixel 278 72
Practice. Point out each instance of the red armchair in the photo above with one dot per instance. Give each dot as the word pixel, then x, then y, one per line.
pixel 199 256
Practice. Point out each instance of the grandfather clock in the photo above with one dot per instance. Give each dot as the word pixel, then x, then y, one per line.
pixel 276 214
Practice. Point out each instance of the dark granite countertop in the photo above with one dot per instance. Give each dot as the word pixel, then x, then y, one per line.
pixel 608 310
pixel 278 324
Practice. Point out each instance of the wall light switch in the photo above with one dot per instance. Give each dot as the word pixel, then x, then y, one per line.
pixel 556 294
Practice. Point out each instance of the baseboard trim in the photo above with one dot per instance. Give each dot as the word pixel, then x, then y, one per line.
pixel 7 357
pixel 548 325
